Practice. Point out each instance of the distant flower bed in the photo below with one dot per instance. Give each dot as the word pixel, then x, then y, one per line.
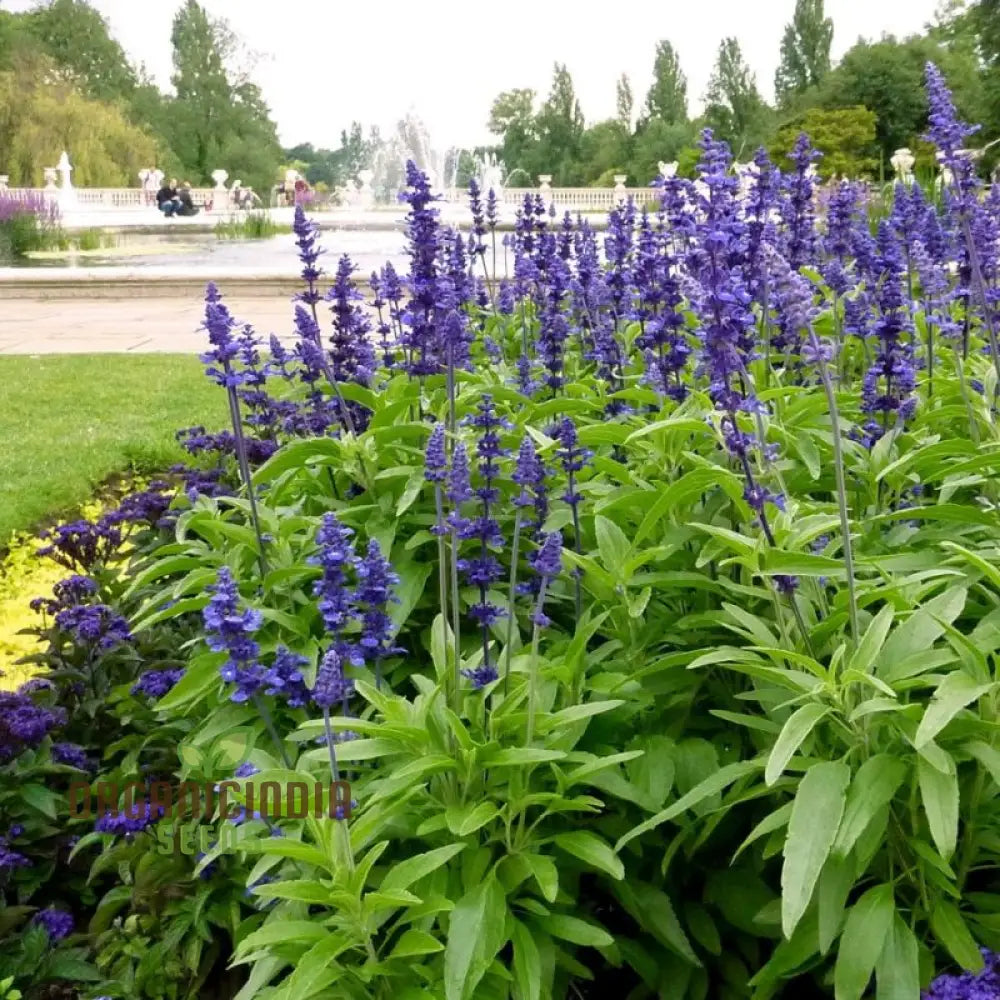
pixel 644 597
pixel 28 222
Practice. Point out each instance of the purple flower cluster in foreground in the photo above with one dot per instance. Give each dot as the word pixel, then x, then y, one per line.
pixel 984 985
pixel 58 924
pixel 24 724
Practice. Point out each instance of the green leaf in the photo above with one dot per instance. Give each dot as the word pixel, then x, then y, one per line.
pixel 463 820
pixel 516 756
pixel 868 925
pixel 593 850
pixel 613 545
pixel 799 725
pixel 939 793
pixel 41 799
pixel 951 931
pixel 527 963
pixel 577 931
pixel 414 942
pixel 712 785
pixel 544 870
pixel 956 691
pixel 280 931
pixel 816 814
pixel 871 643
pixel 919 632
pixel 302 890
pixel 475 935
pixel 897 973
pixel 874 785
pixel 413 869
pixel 652 910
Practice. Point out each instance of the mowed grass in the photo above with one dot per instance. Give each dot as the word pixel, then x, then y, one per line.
pixel 69 422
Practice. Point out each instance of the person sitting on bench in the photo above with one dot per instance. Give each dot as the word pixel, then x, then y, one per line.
pixel 167 199
pixel 188 207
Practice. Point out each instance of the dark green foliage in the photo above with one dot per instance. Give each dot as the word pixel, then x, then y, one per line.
pixel 805 50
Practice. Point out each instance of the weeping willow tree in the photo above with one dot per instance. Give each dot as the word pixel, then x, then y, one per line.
pixel 43 113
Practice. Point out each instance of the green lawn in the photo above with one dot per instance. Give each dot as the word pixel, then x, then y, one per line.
pixel 68 422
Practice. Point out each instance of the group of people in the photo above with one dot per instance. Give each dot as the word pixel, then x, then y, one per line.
pixel 172 200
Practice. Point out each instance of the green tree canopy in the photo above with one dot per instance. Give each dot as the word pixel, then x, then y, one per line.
pixel 845 137
pixel 41 115
pixel 219 118
pixel 735 110
pixel 887 77
pixel 805 50
pixel 560 130
pixel 624 101
pixel 77 39
pixel 667 97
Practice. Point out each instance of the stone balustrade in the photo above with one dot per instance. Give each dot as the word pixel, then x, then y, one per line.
pixel 567 199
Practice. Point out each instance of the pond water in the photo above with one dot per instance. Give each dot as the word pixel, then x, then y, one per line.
pixel 368 249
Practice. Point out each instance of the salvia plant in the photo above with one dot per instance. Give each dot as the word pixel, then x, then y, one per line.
pixel 641 585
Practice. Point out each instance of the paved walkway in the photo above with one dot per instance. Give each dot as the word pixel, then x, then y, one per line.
pixel 104 326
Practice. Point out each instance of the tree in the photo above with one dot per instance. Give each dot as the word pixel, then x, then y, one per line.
pixel 887 77
pixel 217 121
pixel 735 110
pixel 605 150
pixel 658 141
pixel 512 118
pixel 624 102
pixel 845 137
pixel 41 115
pixel 667 97
pixel 985 16
pixel 560 130
pixel 805 50
pixel 77 39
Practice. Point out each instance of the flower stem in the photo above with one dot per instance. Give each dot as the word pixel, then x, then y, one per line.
pixel 334 770
pixel 533 663
pixel 845 517
pixel 510 602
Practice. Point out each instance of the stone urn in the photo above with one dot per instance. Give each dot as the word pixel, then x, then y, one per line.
pixel 50 174
pixel 621 192
pixel 220 177
pixel 902 162
pixel 668 170
pixel 545 185
pixel 4 181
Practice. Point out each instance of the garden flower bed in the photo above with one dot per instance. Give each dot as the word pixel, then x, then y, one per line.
pixel 623 628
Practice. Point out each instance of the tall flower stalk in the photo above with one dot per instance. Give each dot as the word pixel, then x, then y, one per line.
pixel 225 349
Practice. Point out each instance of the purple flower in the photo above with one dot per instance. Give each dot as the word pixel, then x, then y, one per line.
pixel 70 754
pixel 331 686
pixel 23 724
pixel 232 631
pixel 121 824
pixel 309 251
pixel 547 561
pixel 284 678
pixel 798 212
pixel 435 459
pixel 984 985
pixel 11 859
pixel 889 384
pixel 94 625
pixel 336 557
pixel 372 596
pixel 58 924
pixel 352 355
pixel 530 474
pixel 81 545
pixel 156 683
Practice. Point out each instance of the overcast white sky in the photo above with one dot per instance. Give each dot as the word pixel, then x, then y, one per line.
pixel 326 62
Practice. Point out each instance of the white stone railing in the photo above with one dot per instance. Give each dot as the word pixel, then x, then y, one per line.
pixel 115 199
pixel 98 199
